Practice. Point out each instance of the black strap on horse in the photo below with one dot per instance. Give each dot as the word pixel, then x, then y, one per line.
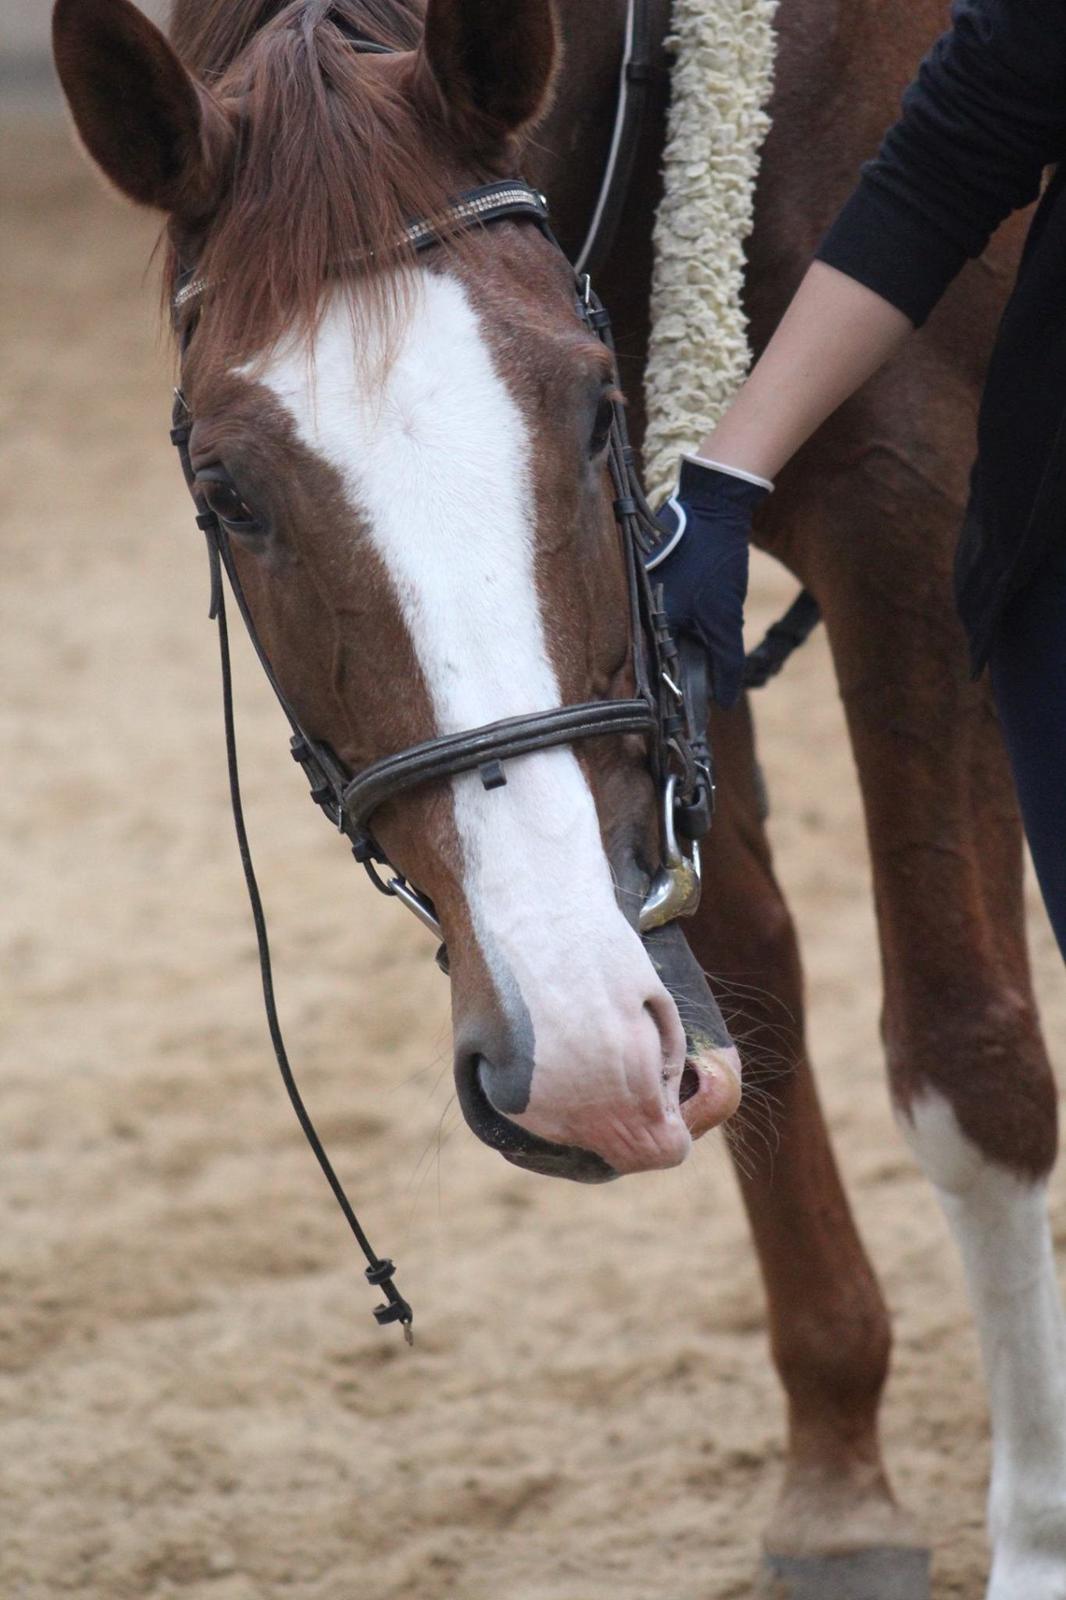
pixel 785 636
pixel 634 95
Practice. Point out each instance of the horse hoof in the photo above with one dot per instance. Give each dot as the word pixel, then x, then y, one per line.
pixel 884 1573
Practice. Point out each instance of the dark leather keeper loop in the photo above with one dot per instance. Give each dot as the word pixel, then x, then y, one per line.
pixel 381 1272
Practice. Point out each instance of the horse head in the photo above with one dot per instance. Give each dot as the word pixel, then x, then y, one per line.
pixel 407 454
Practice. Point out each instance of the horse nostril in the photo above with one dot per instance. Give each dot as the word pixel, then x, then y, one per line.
pixel 652 1011
pixel 481 1070
pixel 467 1076
pixel 663 1012
pixel 506 1087
pixel 502 1083
pixel 690 1082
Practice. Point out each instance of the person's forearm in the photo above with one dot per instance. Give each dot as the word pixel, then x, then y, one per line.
pixel 835 334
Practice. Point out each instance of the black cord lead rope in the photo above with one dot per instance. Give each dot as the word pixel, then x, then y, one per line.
pixel 380 1270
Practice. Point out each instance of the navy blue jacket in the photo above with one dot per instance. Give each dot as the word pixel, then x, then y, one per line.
pixel 983 120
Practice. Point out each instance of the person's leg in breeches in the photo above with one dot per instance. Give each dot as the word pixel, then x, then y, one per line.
pixel 1029 679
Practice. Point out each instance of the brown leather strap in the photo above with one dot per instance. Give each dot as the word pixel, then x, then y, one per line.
pixel 485 748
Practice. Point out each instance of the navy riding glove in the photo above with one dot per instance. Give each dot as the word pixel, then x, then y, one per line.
pixel 702 564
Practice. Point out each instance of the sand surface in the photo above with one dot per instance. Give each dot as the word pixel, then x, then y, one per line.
pixel 194 1401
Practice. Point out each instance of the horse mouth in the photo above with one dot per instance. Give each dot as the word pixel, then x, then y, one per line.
pixel 708 1094
pixel 708 1091
pixel 710 1087
pixel 518 1145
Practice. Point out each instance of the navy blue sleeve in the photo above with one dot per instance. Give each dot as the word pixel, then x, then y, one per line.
pixel 984 117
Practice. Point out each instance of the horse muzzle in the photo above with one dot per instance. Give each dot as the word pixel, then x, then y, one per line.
pixel 596 1104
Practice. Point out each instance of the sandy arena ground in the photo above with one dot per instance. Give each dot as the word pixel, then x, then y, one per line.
pixel 194 1401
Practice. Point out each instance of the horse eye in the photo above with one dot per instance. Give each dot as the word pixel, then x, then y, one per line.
pixel 601 430
pixel 227 504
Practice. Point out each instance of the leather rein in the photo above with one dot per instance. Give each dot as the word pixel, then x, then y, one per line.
pixel 668 707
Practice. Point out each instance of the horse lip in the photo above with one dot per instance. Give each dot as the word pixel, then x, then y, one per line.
pixel 561 1161
pixel 517 1145
pixel 710 1089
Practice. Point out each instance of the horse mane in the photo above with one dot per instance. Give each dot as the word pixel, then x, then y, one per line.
pixel 329 163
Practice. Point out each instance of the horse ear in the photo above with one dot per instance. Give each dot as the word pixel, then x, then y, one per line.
pixel 490 65
pixel 142 117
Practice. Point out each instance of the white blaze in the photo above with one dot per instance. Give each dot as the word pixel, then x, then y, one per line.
pixel 435 457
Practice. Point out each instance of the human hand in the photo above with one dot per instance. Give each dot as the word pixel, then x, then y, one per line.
pixel 702 563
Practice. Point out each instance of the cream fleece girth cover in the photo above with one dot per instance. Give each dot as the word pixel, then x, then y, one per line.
pixel 720 88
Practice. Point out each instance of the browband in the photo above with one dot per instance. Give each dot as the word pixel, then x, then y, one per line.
pixel 493 202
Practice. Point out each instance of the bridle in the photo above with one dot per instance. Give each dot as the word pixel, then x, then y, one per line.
pixel 668 706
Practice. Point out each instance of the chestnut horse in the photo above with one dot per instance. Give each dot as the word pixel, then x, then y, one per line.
pixel 410 461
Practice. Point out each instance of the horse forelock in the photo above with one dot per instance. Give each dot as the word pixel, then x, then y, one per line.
pixel 209 35
pixel 334 156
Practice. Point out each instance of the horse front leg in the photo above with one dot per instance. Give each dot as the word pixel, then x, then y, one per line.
pixel 997 1212
pixel 969 1075
pixel 837 1530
